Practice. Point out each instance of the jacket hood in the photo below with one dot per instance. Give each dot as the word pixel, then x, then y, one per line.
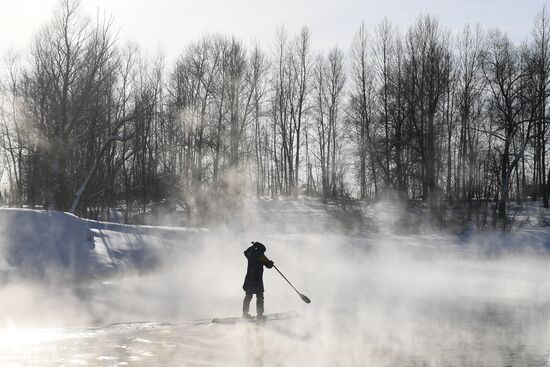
pixel 258 247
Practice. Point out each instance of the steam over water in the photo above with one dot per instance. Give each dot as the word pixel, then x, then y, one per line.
pixel 378 299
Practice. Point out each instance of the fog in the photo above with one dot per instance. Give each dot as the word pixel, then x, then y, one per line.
pixel 380 297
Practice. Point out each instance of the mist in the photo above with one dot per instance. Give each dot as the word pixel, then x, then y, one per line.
pixel 378 298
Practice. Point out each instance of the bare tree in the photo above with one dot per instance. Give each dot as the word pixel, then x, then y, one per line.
pixel 505 79
pixel 360 112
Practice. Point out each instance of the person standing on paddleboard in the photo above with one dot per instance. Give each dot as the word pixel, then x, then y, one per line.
pixel 253 281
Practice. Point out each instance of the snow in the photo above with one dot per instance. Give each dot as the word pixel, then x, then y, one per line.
pixel 380 296
pixel 120 247
pixel 33 240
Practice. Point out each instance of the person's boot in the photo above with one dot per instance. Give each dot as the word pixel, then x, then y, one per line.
pixel 246 306
pixel 260 307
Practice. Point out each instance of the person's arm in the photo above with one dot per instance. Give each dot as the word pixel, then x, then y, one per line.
pixel 264 260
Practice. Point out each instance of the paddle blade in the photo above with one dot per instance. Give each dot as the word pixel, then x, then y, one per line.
pixel 304 298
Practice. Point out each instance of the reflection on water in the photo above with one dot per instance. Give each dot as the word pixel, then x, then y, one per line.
pixel 254 346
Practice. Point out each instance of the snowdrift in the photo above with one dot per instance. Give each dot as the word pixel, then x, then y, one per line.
pixel 123 248
pixel 35 240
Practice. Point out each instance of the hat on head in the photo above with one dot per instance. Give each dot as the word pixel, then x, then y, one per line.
pixel 258 246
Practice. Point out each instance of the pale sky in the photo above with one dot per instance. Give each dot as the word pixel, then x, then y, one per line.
pixel 169 25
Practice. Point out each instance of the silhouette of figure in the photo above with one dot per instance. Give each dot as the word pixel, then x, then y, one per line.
pixel 253 282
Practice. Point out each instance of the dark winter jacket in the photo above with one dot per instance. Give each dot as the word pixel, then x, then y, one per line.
pixel 253 282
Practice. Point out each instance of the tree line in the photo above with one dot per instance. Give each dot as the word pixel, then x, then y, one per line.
pixel 89 123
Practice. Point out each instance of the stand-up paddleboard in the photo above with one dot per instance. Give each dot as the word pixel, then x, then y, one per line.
pixel 267 318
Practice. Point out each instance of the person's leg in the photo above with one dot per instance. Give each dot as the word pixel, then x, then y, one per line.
pixel 246 304
pixel 260 304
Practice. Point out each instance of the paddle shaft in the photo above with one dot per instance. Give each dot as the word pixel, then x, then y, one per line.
pixel 288 281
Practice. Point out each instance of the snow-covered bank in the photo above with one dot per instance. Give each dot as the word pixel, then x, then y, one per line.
pixel 129 248
pixel 36 241
pixel 43 244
